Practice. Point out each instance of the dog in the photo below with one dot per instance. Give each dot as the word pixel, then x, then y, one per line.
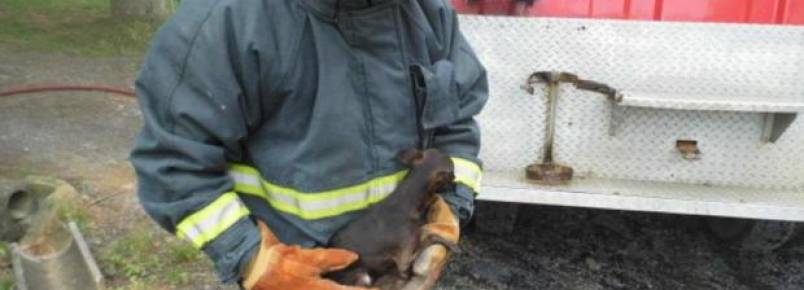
pixel 387 237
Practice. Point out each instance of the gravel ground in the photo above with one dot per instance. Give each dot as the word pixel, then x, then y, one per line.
pixel 85 138
pixel 571 248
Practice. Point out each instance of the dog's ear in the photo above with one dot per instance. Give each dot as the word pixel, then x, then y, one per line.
pixel 449 177
pixel 441 181
pixel 409 156
pixel 444 178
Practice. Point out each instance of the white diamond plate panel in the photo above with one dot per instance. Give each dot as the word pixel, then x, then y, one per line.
pixel 707 103
pixel 712 62
pixel 727 201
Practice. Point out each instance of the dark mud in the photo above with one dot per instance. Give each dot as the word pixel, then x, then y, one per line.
pixel 571 248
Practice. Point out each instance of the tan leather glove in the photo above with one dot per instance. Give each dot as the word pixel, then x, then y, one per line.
pixel 281 267
pixel 442 226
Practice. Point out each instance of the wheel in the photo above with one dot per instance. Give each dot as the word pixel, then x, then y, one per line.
pixel 496 217
pixel 753 235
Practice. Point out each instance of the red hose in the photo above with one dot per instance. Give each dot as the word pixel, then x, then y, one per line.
pixel 62 88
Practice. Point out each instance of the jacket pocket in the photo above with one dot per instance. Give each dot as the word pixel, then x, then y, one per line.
pixel 442 104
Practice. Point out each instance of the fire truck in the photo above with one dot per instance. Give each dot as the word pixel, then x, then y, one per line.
pixel 684 107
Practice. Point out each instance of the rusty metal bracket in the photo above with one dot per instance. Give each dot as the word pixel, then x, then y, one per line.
pixel 548 172
pixel 565 77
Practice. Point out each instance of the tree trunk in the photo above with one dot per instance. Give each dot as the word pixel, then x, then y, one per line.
pixel 142 9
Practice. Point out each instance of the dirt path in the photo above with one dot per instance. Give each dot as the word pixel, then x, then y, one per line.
pixel 80 137
pixel 85 138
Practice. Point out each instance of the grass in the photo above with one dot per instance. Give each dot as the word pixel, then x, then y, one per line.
pixel 6 280
pixel 74 211
pixel 79 27
pixel 140 260
pixel 142 257
pixel 145 260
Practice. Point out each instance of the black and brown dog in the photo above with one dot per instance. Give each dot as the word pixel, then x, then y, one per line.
pixel 387 237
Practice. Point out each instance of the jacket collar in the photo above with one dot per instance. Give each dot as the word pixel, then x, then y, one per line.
pixel 331 8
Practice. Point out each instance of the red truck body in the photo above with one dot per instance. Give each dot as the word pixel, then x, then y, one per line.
pixel 786 12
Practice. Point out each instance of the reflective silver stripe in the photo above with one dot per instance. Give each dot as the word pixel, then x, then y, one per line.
pixel 315 205
pixel 371 194
pixel 247 179
pixel 468 173
pixel 211 221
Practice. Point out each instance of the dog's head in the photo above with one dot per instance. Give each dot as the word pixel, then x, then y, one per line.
pixel 437 164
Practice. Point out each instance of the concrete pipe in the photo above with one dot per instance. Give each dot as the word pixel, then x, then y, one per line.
pixel 18 207
pixel 58 260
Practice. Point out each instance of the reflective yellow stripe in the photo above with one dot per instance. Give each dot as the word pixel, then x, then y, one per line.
pixel 323 213
pixel 315 205
pixel 210 222
pixel 324 204
pixel 468 173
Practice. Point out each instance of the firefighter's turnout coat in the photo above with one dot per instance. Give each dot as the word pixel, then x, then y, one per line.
pixel 293 112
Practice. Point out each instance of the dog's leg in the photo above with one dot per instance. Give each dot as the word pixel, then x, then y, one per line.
pixel 432 240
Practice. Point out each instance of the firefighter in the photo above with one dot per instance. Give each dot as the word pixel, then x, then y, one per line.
pixel 269 125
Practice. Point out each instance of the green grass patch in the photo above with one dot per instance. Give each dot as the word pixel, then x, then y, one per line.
pixel 81 27
pixel 5 252
pixel 6 276
pixel 6 280
pixel 74 211
pixel 143 258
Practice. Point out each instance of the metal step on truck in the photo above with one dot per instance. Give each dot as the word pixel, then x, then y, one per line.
pixel 682 107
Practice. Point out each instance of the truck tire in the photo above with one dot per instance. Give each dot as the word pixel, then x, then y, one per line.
pixel 753 235
pixel 496 217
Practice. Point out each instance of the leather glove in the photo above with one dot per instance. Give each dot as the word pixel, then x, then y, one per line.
pixel 281 267
pixel 443 226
